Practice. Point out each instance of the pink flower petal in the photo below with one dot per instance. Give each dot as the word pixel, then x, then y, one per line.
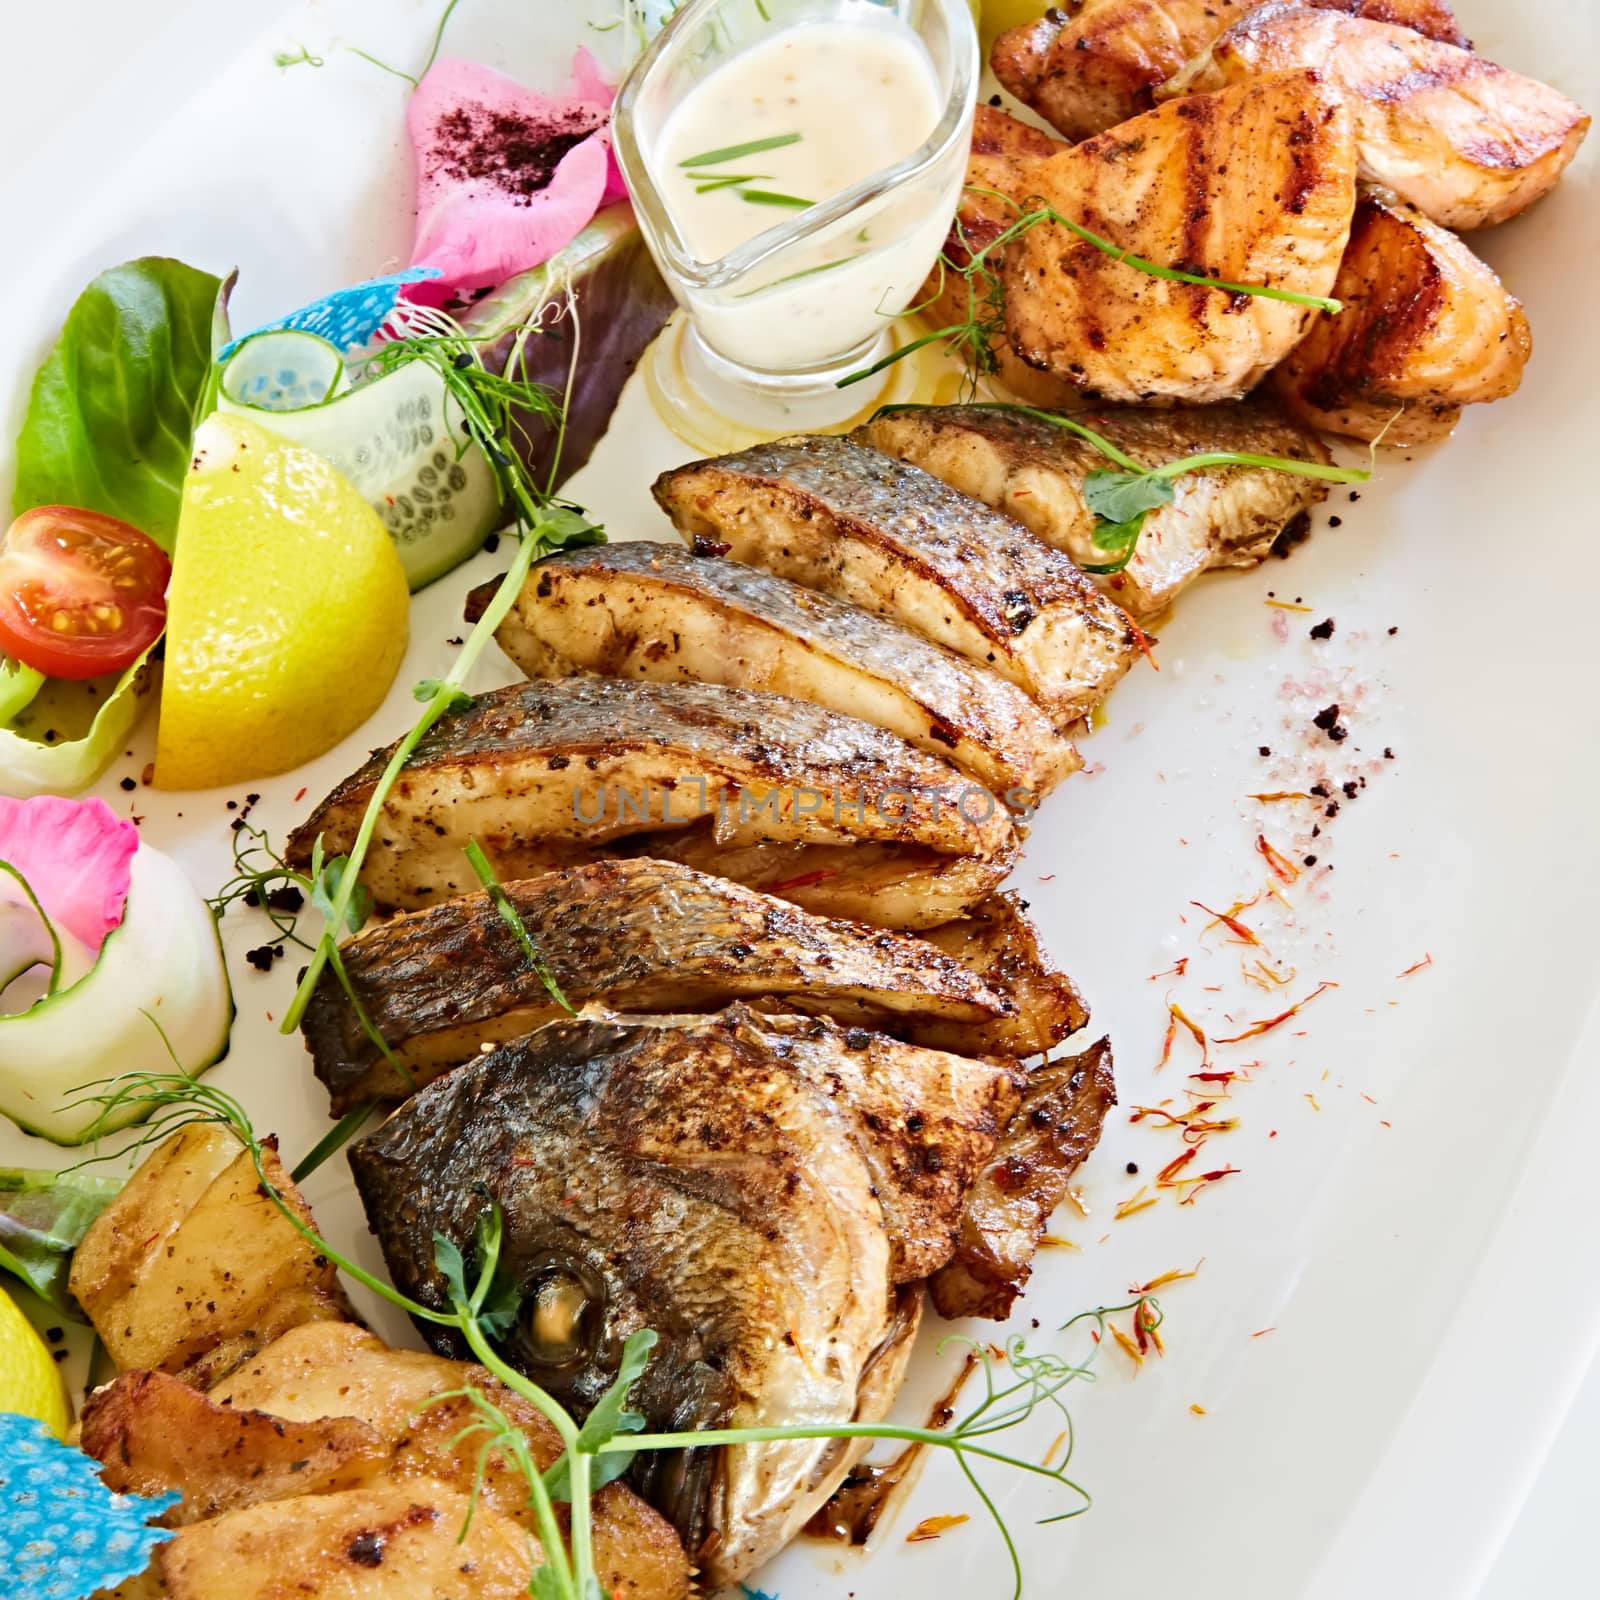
pixel 505 177
pixel 75 856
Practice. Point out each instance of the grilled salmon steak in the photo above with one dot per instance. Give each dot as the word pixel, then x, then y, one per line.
pixel 575 765
pixel 1086 67
pixel 755 1190
pixel 1034 470
pixel 1253 185
pixel 836 516
pixel 1467 142
pixel 657 612
pixel 1426 329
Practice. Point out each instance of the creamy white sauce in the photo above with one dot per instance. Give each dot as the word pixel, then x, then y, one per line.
pixel 862 94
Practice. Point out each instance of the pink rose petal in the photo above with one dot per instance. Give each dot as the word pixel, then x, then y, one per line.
pixel 75 856
pixel 505 177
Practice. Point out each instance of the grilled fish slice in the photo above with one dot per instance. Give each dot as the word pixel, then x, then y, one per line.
pixel 833 515
pixel 720 1182
pixel 1467 142
pixel 1254 185
pixel 655 611
pixel 1426 329
pixel 891 886
pixel 998 942
pixel 637 935
pixel 1063 1109
pixel 587 761
pixel 1086 68
pixel 1034 471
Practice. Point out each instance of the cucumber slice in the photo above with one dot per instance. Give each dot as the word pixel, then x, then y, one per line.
pixel 394 438
pixel 162 962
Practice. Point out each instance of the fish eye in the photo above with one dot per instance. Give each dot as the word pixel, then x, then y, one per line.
pixel 559 1322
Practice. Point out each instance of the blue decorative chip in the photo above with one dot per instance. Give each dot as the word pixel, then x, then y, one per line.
pixel 347 318
pixel 63 1534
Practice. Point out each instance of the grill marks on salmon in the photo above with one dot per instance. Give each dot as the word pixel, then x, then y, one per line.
pixel 641 935
pixel 655 612
pixel 1468 142
pixel 1088 67
pixel 838 517
pixel 569 767
pixel 1252 185
pixel 754 1191
pixel 1034 471
pixel 1426 329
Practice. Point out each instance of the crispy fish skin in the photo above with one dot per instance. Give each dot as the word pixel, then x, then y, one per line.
pixel 720 1182
pixel 1085 69
pixel 1063 1109
pixel 637 935
pixel 657 612
pixel 1034 471
pixel 1252 185
pixel 583 762
pixel 1467 142
pixel 890 886
pixel 998 941
pixel 836 516
pixel 1426 329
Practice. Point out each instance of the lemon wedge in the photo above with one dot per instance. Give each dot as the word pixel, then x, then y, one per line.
pixel 30 1385
pixel 286 614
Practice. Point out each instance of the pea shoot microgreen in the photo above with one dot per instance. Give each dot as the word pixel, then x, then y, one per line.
pixel 512 918
pixel 483 1301
pixel 1123 496
pixel 304 58
pixel 974 340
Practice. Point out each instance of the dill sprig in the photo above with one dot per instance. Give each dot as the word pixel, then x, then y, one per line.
pixel 974 340
pixel 484 1303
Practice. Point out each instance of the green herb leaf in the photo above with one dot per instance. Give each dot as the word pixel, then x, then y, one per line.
pixel 767 197
pixel 609 1418
pixel 734 152
pixel 326 885
pixel 1121 496
pixel 424 689
pixel 43 1218
pixel 112 411
pixel 452 1266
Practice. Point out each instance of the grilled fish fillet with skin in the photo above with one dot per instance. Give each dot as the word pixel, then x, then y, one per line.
pixel 1467 142
pixel 658 613
pixel 1426 329
pixel 637 935
pixel 1063 1109
pixel 1085 68
pixel 891 886
pixel 838 517
pixel 587 761
pixel 1034 471
pixel 752 1193
pixel 998 941
pixel 1253 185
pixel 329 1407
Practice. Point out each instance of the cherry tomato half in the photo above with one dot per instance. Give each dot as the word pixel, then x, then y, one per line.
pixel 80 592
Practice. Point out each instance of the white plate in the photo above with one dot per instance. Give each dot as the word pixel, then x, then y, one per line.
pixel 1421 1257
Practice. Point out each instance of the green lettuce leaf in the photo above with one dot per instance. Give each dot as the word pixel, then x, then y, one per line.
pixel 112 410
pixel 43 1218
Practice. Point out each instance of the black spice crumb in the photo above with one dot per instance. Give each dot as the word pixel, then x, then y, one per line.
pixel 458 640
pixel 286 898
pixel 1354 496
pixel 1327 718
pixel 262 957
pixel 1266 750
pixel 1332 810
pixel 128 785
pixel 1310 861
pixel 1388 754
pixel 1316 830
pixel 1323 629
pixel 995 100
pixel 1393 632
pixel 55 1335
pixel 1339 734
pixel 1350 791
pixel 1321 790
pixel 1133 1167
pixel 492 543
pixel 1335 522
